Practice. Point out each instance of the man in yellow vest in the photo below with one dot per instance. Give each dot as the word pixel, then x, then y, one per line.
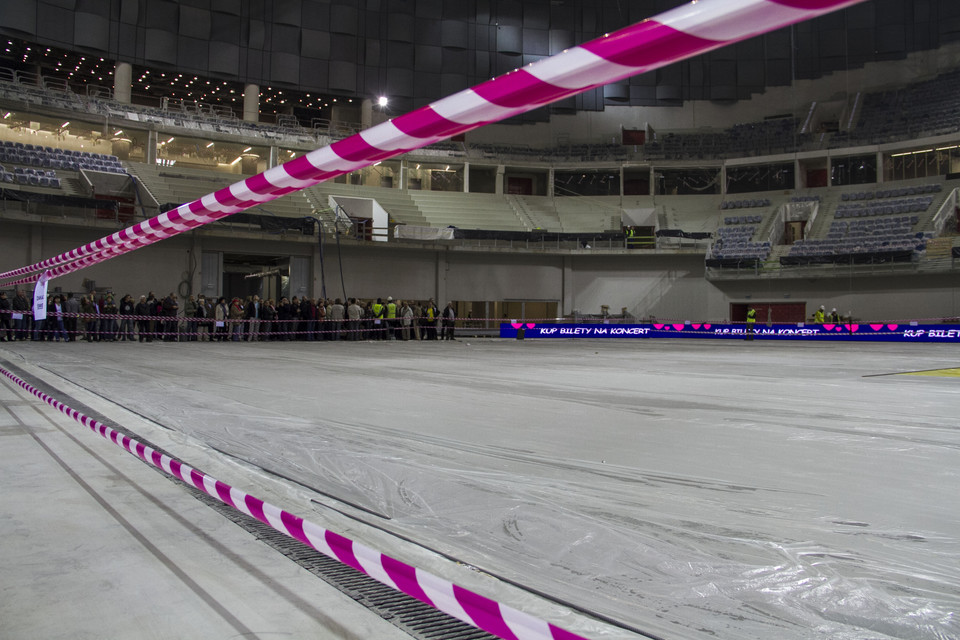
pixel 390 314
pixel 751 320
pixel 378 310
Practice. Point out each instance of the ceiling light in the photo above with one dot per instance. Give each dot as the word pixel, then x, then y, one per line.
pixel 64 124
pixel 209 145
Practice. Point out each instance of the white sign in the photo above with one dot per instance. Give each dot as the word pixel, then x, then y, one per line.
pixel 40 297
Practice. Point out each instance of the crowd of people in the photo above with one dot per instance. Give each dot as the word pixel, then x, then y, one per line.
pixel 101 318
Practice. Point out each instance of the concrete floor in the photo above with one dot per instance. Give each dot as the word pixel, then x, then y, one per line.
pixel 683 488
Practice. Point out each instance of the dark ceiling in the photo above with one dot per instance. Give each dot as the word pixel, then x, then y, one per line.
pixel 305 53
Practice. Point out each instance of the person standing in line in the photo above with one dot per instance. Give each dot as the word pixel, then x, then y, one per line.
pixel 430 317
pixel 268 320
pixel 21 306
pixel 6 326
pixel 818 317
pixel 253 315
pixel 834 316
pixel 417 319
pixel 221 313
pixel 336 319
pixel 378 311
pixel 143 324
pixel 71 307
pixel 390 317
pixel 354 313
pixel 449 321
pixel 55 320
pixel 235 314
pixel 751 321
pixel 170 309
pixel 406 320
pixel 190 313
pixel 200 323
pixel 127 310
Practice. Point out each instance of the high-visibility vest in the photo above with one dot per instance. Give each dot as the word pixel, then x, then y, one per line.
pixel 751 316
pixel 377 310
pixel 391 310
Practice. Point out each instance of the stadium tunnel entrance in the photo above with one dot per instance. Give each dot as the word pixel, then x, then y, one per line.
pixel 251 274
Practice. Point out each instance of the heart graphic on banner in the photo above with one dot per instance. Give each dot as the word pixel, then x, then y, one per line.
pixel 892 327
pixel 877 327
pixel 658 326
pixel 696 326
pixel 516 325
pixel 678 327
pixel 829 327
pixel 852 328
pixel 531 325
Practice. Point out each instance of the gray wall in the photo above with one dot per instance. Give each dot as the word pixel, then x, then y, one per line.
pixel 662 286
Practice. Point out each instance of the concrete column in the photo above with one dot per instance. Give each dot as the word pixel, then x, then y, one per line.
pixel 723 179
pixel 551 177
pixel 880 171
pixel 122 82
pixel 466 177
pixel 366 114
pixel 499 186
pixel 152 147
pixel 441 274
pixel 251 103
pixel 566 303
pixel 274 158
pixel 403 175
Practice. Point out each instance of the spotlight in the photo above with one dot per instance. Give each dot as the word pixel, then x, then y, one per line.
pixel 383 101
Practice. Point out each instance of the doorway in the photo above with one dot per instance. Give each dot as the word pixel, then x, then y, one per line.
pixel 250 274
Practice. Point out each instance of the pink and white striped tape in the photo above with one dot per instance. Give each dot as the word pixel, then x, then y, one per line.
pixel 680 33
pixel 463 604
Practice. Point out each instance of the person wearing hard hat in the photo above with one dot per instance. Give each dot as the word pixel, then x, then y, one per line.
pixel 818 316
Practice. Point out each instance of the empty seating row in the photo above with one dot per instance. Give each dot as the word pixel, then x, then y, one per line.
pixel 745 204
pixel 890 207
pixel 50 157
pixel 31 177
pixel 805 199
pixel 892 193
pixel 743 219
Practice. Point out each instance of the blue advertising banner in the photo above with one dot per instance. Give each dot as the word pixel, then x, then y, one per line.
pixel 872 332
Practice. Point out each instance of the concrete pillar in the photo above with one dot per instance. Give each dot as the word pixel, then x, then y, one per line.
pixel 466 177
pixel 366 114
pixel 152 147
pixel 499 185
pixel 551 177
pixel 880 171
pixel 251 103
pixel 566 303
pixel 274 158
pixel 403 175
pixel 122 82
pixel 441 278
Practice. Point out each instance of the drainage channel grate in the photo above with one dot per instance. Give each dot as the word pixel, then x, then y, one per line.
pixel 416 618
pixel 405 612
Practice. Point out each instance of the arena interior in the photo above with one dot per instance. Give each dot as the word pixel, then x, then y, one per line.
pixel 664 488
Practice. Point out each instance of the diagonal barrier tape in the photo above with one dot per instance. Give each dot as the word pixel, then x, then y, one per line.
pixel 472 608
pixel 688 30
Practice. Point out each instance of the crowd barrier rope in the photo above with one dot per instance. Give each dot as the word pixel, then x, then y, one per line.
pixel 479 611
pixel 677 34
